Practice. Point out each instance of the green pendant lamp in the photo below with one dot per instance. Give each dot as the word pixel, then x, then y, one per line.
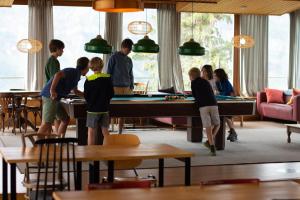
pixel 98 44
pixel 191 48
pixel 145 45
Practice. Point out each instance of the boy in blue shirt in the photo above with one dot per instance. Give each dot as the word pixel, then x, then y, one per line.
pixel 58 87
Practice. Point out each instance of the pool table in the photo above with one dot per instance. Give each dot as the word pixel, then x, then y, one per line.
pixel 156 106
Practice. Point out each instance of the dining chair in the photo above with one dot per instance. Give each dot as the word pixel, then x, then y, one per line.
pixel 126 140
pixel 34 105
pixel 29 181
pixel 53 152
pixel 12 109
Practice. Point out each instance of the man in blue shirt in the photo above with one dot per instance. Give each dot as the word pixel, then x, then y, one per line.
pixel 56 88
pixel 120 68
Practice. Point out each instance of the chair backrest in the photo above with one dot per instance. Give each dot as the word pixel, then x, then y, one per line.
pixel 120 185
pixel 231 181
pixel 5 100
pixel 141 88
pixel 52 151
pixel 126 140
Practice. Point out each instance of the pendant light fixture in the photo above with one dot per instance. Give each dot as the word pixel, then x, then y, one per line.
pixel 98 44
pixel 118 5
pixel 191 48
pixel 145 45
pixel 139 27
pixel 243 41
pixel 29 46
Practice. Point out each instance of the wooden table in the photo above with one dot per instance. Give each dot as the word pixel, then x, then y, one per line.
pixel 292 128
pixel 265 190
pixel 155 106
pixel 96 153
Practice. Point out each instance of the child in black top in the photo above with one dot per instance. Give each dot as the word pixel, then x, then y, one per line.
pixel 98 90
pixel 205 99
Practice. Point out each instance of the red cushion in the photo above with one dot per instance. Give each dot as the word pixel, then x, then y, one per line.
pixel 274 95
pixel 295 93
pixel 121 184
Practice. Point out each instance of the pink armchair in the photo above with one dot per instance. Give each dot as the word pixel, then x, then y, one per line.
pixel 277 110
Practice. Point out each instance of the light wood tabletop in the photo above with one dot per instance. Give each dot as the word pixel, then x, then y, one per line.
pixel 263 190
pixel 98 152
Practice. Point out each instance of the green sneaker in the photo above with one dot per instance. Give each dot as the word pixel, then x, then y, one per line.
pixel 206 144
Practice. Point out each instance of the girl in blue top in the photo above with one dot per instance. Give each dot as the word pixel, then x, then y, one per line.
pixel 225 88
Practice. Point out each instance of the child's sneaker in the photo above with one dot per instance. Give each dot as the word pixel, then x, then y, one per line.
pixel 206 144
pixel 213 150
pixel 232 135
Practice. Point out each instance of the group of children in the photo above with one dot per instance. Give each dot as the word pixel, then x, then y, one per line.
pixel 98 90
pixel 205 84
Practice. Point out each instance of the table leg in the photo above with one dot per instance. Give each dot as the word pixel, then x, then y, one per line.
pixel 220 137
pixel 81 131
pixel 4 180
pixel 94 172
pixel 194 129
pixel 161 172
pixel 289 135
pixel 110 171
pixel 78 185
pixel 187 171
pixel 13 192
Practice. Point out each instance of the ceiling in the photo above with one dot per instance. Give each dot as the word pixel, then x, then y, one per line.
pixel 259 7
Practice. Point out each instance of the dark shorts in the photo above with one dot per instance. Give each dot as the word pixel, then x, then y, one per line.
pixel 93 120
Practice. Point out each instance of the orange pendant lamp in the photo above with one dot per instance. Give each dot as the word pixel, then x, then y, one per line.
pixel 118 5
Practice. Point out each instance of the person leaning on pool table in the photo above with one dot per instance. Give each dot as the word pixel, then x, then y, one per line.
pixel 58 87
pixel 225 88
pixel 120 68
pixel 208 107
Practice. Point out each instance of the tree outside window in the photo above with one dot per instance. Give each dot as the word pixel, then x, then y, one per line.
pixel 215 33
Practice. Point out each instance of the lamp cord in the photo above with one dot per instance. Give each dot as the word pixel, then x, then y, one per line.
pixel 192 20
pixel 146 22
pixel 99 22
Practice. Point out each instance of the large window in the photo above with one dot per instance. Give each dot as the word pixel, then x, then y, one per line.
pixel 278 64
pixel 145 66
pixel 14 27
pixel 212 31
pixel 76 26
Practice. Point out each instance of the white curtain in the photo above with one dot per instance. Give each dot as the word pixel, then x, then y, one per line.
pixel 113 32
pixel 254 61
pixel 294 69
pixel 40 28
pixel 169 66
